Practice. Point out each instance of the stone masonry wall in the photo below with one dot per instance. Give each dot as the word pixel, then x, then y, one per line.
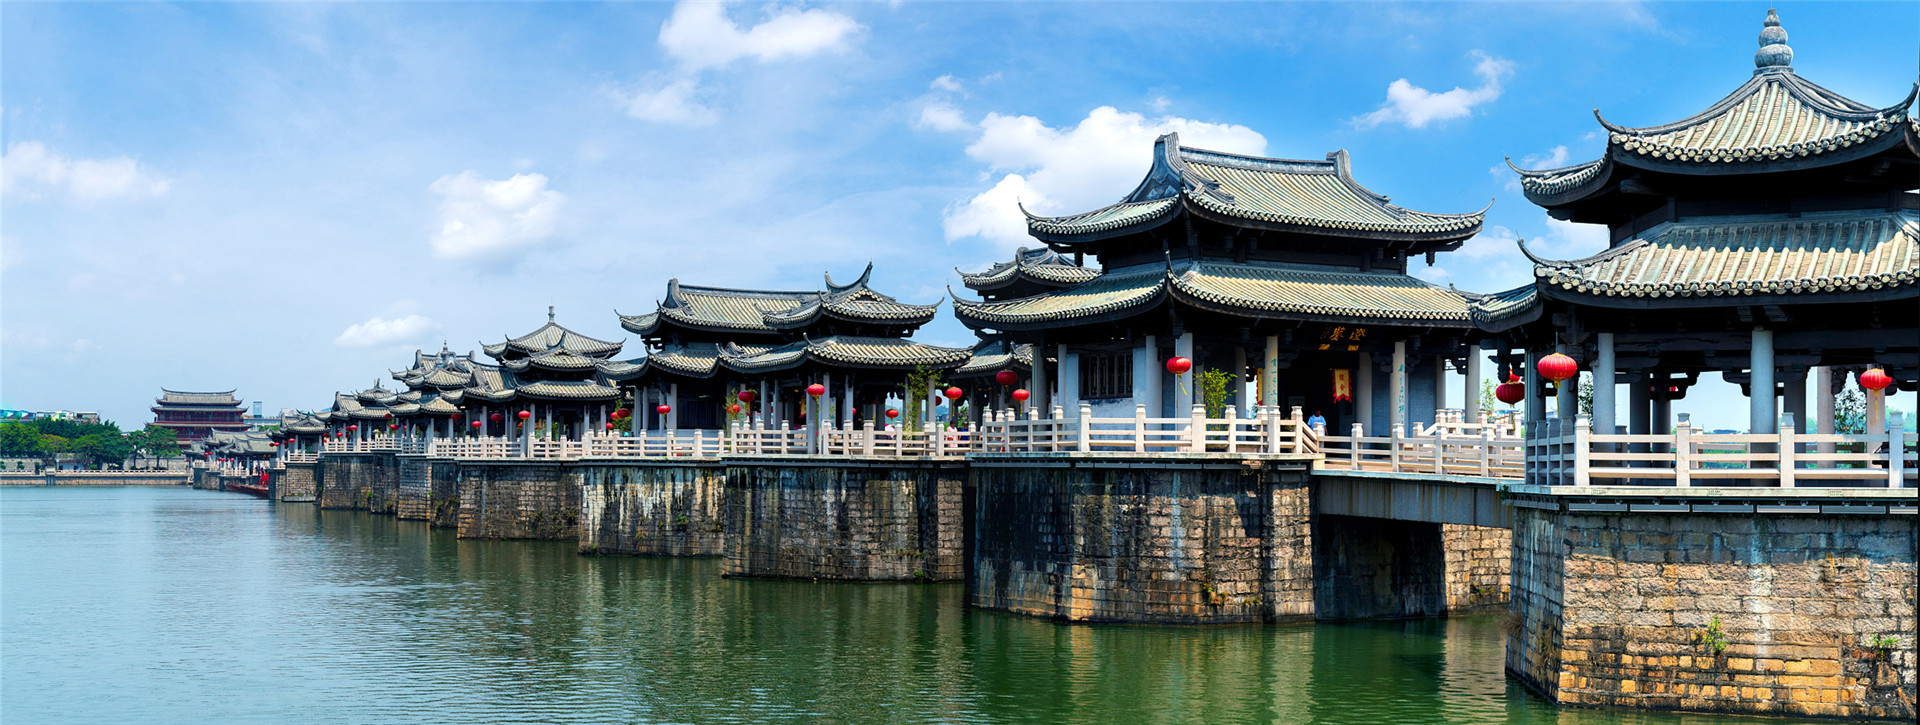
pixel 1808 615
pixel 443 495
pixel 652 508
pixel 1098 539
pixel 1479 561
pixel 1366 568
pixel 297 482
pixel 363 481
pixel 513 500
pixel 413 488
pixel 870 520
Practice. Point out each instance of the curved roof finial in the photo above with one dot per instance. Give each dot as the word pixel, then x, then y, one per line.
pixel 549 313
pixel 1773 52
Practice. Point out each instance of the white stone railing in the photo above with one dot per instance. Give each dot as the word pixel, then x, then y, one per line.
pixel 1267 432
pixel 1569 453
pixel 1460 449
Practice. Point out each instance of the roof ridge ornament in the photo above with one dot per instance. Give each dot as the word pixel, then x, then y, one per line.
pixel 1774 53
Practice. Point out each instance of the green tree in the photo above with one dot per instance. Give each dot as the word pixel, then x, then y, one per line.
pixel 21 440
pixel 1214 390
pixel 156 441
pixel 918 383
pixel 101 448
pixel 1850 411
pixel 1585 393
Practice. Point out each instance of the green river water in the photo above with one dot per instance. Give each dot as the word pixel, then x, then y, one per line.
pixel 153 605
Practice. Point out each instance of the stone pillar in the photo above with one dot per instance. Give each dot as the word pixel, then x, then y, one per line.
pixel 1470 405
pixel 846 398
pixel 1603 385
pixel 1270 374
pixel 1397 388
pixel 1823 405
pixel 1069 378
pixel 1439 385
pixel 1536 403
pixel 1363 393
pixel 1662 416
pixel 1146 376
pixel 1566 400
pixel 1041 395
pixel 1239 389
pixel 673 407
pixel 1184 394
pixel 1763 417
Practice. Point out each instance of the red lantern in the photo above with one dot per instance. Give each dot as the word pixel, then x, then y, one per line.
pixel 355 426
pixel 1510 393
pixel 389 416
pixel 747 396
pixel 622 414
pixel 525 414
pixel 734 409
pixel 496 418
pixel 954 393
pixel 1179 365
pixel 935 401
pixel 1557 367
pixel 393 426
pixel 476 424
pixel 893 413
pixel 609 426
pixel 275 445
pixel 1006 377
pixel 1875 380
pixel 816 390
pixel 1022 395
pixel 456 415
pixel 663 409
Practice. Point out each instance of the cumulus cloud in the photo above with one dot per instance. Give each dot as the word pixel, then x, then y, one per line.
pixel 1415 107
pixel 942 116
pixel 29 170
pixel 675 102
pixel 945 83
pixel 700 35
pixel 375 331
pixel 1072 169
pixel 481 218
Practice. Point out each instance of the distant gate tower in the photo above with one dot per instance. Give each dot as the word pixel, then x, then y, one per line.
pixel 194 416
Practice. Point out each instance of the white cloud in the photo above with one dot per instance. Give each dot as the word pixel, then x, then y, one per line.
pixel 674 102
pixel 945 83
pixel 942 116
pixel 700 35
pixel 1067 170
pixel 30 170
pixel 1415 107
pixel 1553 159
pixel 376 331
pixel 481 218
pixel 1569 240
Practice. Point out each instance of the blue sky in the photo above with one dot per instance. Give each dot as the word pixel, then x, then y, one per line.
pixel 289 199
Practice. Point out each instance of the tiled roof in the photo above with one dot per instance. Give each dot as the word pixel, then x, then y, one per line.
pixel 176 397
pixel 305 423
pixel 552 336
pixel 862 305
pixel 716 308
pixel 1108 293
pixel 557 359
pixel 1810 255
pixel 993 356
pixel 844 351
pixel 698 360
pixel 1319 196
pixel 1313 293
pixel 567 390
pixel 376 395
pixel 1774 115
pixel 1493 308
pixel 1547 182
pixel 1042 265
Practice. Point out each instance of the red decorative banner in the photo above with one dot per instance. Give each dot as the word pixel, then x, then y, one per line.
pixel 1342 385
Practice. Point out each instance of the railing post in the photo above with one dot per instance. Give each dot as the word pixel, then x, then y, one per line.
pixel 1683 454
pixel 1896 451
pixel 1053 428
pixel 1271 417
pixel 1083 437
pixel 1486 452
pixel 1139 428
pixel 1353 447
pixel 1395 434
pixel 1197 429
pixel 1582 440
pixel 1785 453
pixel 866 443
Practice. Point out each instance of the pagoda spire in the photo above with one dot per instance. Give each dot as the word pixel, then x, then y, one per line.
pixel 549 313
pixel 1773 52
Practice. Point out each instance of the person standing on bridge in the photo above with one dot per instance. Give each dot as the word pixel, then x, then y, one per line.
pixel 1316 421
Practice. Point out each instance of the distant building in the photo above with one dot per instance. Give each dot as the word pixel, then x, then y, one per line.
pixel 194 416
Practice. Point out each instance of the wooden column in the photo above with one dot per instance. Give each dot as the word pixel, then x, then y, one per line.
pixel 1603 385
pixel 1363 393
pixel 1470 404
pixel 1762 417
pixel 1270 374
